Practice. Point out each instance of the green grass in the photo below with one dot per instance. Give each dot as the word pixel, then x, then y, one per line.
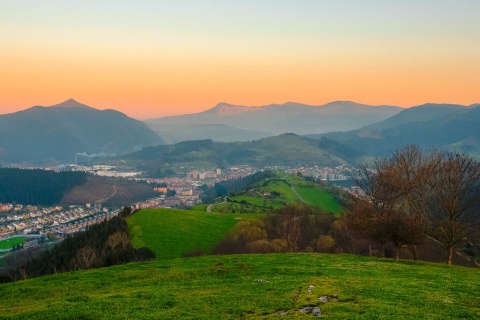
pixel 6 244
pixel 250 287
pixel 200 207
pixel 171 233
pixel 254 199
pixel 320 198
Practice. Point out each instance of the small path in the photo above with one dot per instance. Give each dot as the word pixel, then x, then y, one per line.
pixel 209 208
pixel 293 189
pixel 105 199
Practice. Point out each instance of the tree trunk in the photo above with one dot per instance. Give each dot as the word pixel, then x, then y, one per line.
pixel 397 250
pixel 383 250
pixel 450 256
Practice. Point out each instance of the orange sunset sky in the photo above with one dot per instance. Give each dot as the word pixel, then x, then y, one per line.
pixel 156 58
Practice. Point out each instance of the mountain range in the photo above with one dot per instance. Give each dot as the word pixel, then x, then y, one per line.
pixel 444 126
pixel 349 133
pixel 226 122
pixel 46 135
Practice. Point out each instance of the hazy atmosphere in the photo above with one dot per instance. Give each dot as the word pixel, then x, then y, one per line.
pixel 156 58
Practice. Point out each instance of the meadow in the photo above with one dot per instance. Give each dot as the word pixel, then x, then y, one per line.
pixel 171 233
pixel 259 197
pixel 250 287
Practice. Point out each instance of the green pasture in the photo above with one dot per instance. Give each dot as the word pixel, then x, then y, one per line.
pixel 250 287
pixel 321 198
pixel 172 233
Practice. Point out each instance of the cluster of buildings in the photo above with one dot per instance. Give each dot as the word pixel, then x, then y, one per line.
pixel 187 189
pixel 55 220
pixel 325 173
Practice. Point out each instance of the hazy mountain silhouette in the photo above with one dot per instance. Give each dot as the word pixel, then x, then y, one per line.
pixel 48 134
pixel 453 127
pixel 272 120
pixel 284 150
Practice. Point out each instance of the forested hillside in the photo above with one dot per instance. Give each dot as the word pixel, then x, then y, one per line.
pixel 37 187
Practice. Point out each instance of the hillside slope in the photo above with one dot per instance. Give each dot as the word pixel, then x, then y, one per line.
pixel 173 233
pixel 441 126
pixel 250 287
pixel 44 135
pixel 283 150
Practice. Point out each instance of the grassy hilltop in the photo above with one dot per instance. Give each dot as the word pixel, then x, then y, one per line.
pixel 250 287
pixel 261 286
pixel 278 191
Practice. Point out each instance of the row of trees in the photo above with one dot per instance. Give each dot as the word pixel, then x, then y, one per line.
pixel 294 228
pixel 102 245
pixel 36 187
pixel 415 196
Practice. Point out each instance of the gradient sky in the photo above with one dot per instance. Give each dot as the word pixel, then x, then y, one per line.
pixel 155 58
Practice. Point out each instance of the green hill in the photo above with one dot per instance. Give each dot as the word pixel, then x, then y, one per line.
pixel 283 150
pixel 250 287
pixel 172 233
pixel 279 191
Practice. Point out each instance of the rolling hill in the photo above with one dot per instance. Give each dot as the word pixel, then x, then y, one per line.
pixel 173 233
pixel 283 150
pixel 246 123
pixel 46 135
pixel 442 126
pixel 276 191
pixel 250 287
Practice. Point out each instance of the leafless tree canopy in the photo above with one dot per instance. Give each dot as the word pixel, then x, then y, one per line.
pixel 414 195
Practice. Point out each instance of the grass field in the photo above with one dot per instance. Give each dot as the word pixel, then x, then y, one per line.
pixel 6 244
pixel 255 201
pixel 250 287
pixel 320 198
pixel 171 233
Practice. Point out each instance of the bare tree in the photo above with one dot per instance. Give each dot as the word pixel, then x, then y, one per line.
pixel 119 239
pixel 454 205
pixel 85 258
pixel 413 194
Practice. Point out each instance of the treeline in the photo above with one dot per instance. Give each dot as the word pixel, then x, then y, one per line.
pixel 302 228
pixel 101 245
pixel 294 228
pixel 416 197
pixel 224 188
pixel 37 187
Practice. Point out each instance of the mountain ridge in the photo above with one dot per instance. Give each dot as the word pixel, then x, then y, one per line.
pixel 50 134
pixel 275 119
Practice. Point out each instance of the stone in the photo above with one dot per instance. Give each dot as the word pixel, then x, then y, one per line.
pixel 317 312
pixel 323 299
pixel 306 310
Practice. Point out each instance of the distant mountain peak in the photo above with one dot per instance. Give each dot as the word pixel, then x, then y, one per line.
pixel 224 108
pixel 70 104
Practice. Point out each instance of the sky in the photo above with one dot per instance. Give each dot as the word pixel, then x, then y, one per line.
pixel 156 58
